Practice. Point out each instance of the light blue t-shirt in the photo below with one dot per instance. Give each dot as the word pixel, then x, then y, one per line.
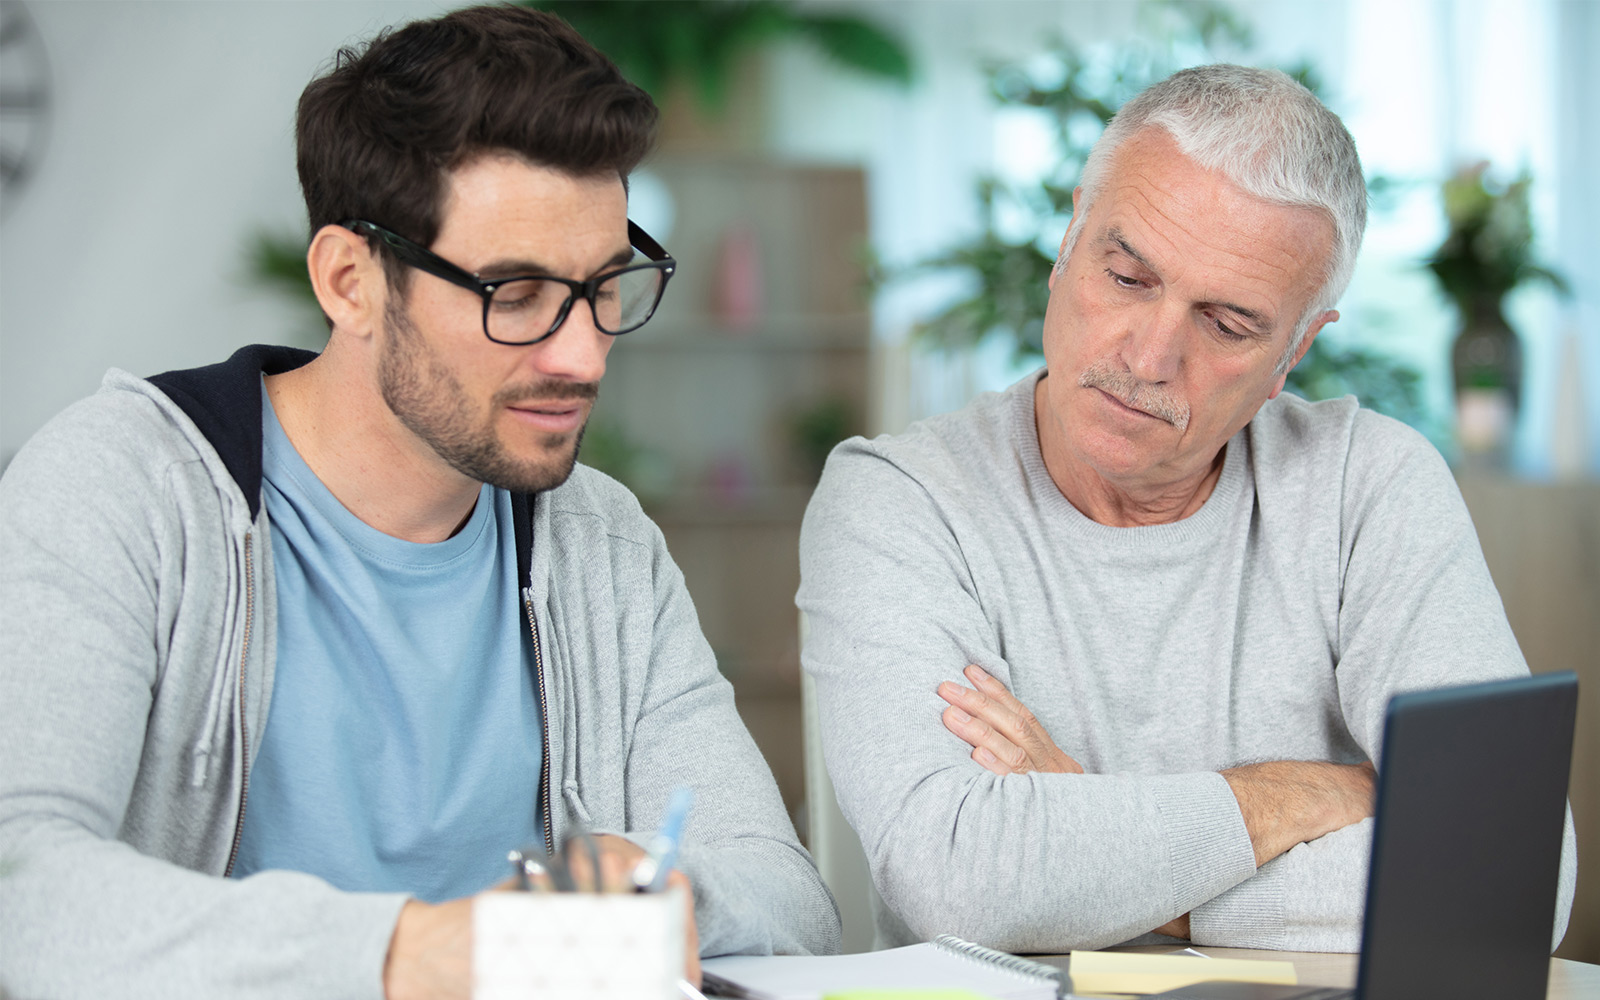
pixel 402 745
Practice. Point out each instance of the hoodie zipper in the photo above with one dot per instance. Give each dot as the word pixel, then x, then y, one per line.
pixel 544 732
pixel 244 731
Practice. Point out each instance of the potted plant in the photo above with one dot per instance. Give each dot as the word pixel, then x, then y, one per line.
pixel 1487 251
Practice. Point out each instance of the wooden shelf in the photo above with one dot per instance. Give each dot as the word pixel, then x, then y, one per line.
pixel 718 405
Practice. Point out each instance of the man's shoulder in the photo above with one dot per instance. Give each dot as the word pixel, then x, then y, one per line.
pixel 592 500
pixel 1330 434
pixel 115 473
pixel 1296 426
pixel 122 430
pixel 136 429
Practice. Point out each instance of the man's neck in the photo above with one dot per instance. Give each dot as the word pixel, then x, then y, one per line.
pixel 366 458
pixel 1136 501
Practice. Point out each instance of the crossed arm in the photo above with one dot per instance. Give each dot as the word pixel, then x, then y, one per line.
pixel 1284 803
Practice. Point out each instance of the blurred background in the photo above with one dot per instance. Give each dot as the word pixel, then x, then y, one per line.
pixel 864 198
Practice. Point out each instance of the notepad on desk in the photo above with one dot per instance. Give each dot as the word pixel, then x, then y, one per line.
pixel 945 964
pixel 1099 972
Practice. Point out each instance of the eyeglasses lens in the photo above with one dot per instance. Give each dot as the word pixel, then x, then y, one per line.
pixel 527 309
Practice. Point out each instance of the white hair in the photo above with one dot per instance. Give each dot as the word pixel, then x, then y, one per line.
pixel 1267 134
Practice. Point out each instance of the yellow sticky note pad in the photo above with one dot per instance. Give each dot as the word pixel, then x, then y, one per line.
pixel 1122 972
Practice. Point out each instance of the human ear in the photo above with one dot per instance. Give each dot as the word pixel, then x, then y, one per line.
pixel 346 277
pixel 1322 320
pixel 1062 250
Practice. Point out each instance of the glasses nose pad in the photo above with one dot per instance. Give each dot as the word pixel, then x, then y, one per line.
pixel 588 295
pixel 564 311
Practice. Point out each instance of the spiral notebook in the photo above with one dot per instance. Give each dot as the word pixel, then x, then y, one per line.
pixel 945 963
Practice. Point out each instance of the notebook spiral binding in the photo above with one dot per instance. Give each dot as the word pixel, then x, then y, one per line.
pixel 1007 961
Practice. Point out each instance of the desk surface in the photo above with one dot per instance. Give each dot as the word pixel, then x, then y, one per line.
pixel 1568 980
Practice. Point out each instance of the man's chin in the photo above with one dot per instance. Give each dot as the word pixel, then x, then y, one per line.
pixel 550 466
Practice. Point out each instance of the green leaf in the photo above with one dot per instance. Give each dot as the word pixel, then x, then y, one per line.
pixel 278 261
pixel 699 44
pixel 859 45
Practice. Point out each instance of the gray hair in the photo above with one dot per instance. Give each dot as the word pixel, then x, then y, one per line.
pixel 1267 134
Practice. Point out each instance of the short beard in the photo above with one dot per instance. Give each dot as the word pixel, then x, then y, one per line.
pixel 428 399
pixel 1136 393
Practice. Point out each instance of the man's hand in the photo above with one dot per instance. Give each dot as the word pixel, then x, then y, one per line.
pixel 1004 736
pixel 618 857
pixel 1289 802
pixel 430 953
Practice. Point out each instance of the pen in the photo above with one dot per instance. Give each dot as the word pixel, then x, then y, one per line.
pixel 650 875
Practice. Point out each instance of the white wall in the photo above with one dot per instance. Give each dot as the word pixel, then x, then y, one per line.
pixel 171 139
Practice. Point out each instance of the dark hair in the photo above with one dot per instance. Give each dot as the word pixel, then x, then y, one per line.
pixel 377 135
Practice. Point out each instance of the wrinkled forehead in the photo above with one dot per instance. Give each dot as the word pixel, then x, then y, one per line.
pixel 1185 218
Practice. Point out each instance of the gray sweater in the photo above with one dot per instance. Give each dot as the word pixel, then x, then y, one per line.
pixel 1333 566
pixel 136 662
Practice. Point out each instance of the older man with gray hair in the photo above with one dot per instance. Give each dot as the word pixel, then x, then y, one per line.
pixel 1179 599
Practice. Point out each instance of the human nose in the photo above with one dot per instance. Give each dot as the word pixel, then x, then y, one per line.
pixel 1153 348
pixel 576 350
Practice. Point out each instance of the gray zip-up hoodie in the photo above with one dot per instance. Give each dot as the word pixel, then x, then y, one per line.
pixel 137 627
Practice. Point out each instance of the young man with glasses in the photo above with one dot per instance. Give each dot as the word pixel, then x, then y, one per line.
pixel 297 647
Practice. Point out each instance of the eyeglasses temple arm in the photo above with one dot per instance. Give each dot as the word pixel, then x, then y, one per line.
pixel 643 242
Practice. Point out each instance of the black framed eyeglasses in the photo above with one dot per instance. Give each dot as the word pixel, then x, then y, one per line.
pixel 525 309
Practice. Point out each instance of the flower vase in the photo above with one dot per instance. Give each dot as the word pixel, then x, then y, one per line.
pixel 1487 363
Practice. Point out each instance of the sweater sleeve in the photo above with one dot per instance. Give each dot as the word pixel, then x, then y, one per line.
pixel 1035 862
pixel 756 889
pixel 1417 609
pixel 87 672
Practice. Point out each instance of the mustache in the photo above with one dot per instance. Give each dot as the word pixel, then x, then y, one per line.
pixel 1135 393
pixel 546 391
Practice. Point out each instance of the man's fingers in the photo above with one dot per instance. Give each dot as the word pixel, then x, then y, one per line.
pixel 977 704
pixel 614 872
pixel 1004 726
pixel 989 761
pixel 1002 756
pixel 691 944
pixel 1010 715
pixel 994 689
pixel 1020 726
pixel 617 857
pixel 1000 709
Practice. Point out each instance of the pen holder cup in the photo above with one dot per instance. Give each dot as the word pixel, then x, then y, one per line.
pixel 597 946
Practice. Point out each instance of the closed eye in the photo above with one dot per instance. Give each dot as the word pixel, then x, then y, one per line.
pixel 1123 280
pixel 1223 329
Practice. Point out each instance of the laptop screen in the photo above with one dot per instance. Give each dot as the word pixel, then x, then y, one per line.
pixel 1467 844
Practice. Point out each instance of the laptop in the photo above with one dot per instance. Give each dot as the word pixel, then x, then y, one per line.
pixel 1466 848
